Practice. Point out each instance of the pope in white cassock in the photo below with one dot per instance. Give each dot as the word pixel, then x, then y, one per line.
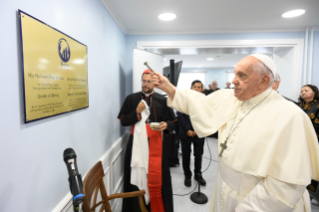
pixel 268 149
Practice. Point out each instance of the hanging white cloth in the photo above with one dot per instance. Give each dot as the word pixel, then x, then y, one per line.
pixel 139 162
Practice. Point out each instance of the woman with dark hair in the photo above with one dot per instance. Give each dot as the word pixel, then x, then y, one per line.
pixel 309 102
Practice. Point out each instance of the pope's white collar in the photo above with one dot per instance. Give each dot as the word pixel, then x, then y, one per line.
pixel 258 98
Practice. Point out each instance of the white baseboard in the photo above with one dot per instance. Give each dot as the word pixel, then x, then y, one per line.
pixel 114 153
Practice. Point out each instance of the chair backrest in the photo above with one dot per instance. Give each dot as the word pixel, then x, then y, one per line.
pixel 93 182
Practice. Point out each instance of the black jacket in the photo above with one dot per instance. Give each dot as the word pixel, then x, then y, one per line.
pixel 184 125
pixel 159 110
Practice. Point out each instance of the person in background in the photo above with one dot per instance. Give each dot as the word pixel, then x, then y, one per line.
pixel 228 85
pixel 276 84
pixel 212 87
pixel 205 91
pixel 138 110
pixel 188 136
pixel 309 103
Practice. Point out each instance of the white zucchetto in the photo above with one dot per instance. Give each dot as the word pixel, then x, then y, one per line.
pixel 267 61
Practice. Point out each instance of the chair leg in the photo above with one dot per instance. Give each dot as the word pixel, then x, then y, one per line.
pixel 142 205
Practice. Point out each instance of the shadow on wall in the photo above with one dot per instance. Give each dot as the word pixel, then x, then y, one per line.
pixel 122 84
pixel 126 87
pixel 20 71
pixel 129 82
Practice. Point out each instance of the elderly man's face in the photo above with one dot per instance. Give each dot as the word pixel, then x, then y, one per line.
pixel 247 82
pixel 215 85
pixel 228 84
pixel 275 85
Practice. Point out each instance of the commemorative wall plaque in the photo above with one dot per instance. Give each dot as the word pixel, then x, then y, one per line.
pixel 55 73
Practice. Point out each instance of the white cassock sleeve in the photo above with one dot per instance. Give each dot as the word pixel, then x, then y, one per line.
pixel 272 195
pixel 207 113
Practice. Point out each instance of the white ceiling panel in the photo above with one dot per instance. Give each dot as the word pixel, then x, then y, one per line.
pixel 209 16
pixel 194 61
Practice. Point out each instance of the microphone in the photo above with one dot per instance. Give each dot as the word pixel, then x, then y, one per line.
pixel 75 179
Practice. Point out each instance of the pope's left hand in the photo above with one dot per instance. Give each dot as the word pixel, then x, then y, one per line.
pixel 162 126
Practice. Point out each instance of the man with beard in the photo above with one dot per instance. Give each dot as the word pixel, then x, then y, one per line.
pixel 146 164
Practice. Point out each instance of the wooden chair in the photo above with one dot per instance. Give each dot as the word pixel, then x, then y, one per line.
pixel 93 182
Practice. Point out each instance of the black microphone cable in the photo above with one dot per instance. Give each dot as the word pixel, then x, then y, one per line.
pixel 210 160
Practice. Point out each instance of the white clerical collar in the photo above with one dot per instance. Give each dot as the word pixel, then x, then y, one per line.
pixel 148 94
pixel 258 98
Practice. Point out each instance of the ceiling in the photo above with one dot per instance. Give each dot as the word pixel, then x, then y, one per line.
pixel 211 16
pixel 212 51
pixel 194 61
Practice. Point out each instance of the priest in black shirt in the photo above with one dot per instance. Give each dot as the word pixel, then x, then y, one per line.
pixel 129 115
pixel 188 137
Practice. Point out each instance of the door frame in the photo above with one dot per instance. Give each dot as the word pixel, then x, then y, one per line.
pixel 297 44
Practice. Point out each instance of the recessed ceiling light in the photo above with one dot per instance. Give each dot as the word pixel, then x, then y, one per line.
pixel 293 13
pixel 167 16
pixel 210 59
pixel 199 66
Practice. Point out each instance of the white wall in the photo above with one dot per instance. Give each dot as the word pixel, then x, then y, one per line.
pixel 315 60
pixel 211 75
pixel 155 61
pixel 229 78
pixel 221 77
pixel 284 60
pixel 186 78
pixel 33 174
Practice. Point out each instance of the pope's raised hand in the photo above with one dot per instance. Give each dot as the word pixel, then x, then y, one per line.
pixel 163 83
pixel 160 81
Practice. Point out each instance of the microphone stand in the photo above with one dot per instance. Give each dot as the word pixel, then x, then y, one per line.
pixel 198 197
pixel 77 207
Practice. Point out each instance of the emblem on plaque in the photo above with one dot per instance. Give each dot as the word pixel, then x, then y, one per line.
pixel 64 50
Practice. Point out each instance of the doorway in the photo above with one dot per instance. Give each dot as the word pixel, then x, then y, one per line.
pixel 287 54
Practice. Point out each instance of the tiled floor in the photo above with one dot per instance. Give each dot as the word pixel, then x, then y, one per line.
pixel 183 203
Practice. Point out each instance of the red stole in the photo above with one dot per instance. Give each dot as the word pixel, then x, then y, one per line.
pixel 154 168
